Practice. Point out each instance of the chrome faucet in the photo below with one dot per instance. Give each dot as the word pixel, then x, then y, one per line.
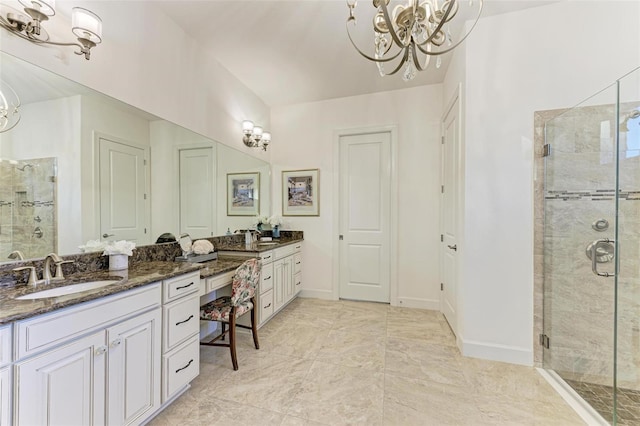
pixel 33 278
pixel 46 272
pixel 16 254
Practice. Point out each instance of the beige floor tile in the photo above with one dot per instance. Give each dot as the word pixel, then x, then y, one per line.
pixel 298 340
pixel 353 349
pixel 297 421
pixel 337 395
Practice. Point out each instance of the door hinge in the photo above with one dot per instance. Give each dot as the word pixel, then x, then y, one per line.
pixel 145 230
pixel 442 238
pixel 442 140
pixel 144 162
pixel 441 287
pixel 145 196
pixel 442 189
pixel 545 341
pixel 546 150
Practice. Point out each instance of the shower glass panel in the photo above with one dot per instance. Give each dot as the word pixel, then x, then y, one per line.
pixel 580 211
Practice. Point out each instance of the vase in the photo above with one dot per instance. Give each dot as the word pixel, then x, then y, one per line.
pixel 275 232
pixel 259 227
pixel 118 262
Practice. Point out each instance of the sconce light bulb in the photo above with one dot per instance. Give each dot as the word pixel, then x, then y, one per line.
pixel 247 127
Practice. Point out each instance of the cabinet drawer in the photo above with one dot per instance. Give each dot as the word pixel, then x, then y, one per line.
pixel 5 345
pixel 297 263
pixel 266 306
pixel 219 281
pixel 297 282
pixel 45 331
pixel 297 247
pixel 175 288
pixel 266 278
pixel 179 367
pixel 181 321
pixel 266 257
pixel 285 251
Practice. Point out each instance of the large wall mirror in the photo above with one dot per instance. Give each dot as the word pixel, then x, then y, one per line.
pixel 80 166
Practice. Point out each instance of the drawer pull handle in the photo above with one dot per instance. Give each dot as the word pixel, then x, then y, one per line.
pixel 186 366
pixel 298 283
pixel 267 257
pixel 182 322
pixel 267 306
pixel 298 247
pixel 115 343
pixel 297 263
pixel 268 278
pixel 100 350
pixel 185 286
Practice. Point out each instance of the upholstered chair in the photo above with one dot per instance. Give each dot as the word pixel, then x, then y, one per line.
pixel 227 309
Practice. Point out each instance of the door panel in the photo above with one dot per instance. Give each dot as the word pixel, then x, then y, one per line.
pixel 196 192
pixel 365 183
pixel 123 182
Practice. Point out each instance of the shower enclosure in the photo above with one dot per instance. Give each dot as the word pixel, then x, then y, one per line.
pixel 591 250
pixel 28 207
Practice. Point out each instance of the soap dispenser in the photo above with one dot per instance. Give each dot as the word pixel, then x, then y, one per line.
pixel 228 231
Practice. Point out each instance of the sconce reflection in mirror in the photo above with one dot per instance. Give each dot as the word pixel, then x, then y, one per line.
pixel 254 136
pixel 9 107
pixel 85 25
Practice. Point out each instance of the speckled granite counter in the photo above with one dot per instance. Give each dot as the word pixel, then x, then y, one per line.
pixel 258 247
pixel 137 275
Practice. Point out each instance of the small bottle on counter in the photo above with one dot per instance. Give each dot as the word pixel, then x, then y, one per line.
pixel 228 231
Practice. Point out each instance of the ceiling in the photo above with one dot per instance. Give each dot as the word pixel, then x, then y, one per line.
pixel 294 51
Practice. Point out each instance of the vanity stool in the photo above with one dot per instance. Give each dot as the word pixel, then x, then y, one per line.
pixel 227 309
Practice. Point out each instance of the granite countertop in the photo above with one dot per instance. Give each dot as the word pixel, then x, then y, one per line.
pixel 137 275
pixel 257 247
pixel 220 266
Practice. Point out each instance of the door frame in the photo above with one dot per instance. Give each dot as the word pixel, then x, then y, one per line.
pixel 393 211
pixel 96 181
pixel 455 97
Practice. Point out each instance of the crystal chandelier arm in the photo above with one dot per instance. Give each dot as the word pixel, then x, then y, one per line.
pixel 444 20
pixel 402 62
pixel 449 49
pixel 416 62
pixel 392 31
pixel 391 58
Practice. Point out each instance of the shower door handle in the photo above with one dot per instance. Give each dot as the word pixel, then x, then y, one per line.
pixel 594 257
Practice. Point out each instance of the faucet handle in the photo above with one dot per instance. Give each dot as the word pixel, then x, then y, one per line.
pixel 32 273
pixel 59 274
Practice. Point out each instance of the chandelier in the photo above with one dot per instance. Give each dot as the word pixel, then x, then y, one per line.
pixel 9 107
pixel 85 25
pixel 413 32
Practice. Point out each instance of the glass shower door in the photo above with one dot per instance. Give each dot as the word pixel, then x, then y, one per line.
pixel 580 213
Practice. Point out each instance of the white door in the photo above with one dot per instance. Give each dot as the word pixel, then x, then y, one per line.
pixel 365 184
pixel 196 192
pixel 449 214
pixel 123 183
pixel 134 368
pixel 64 386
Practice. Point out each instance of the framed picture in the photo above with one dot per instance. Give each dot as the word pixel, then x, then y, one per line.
pixel 243 194
pixel 300 193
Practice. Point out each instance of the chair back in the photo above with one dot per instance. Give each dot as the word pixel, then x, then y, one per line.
pixel 245 281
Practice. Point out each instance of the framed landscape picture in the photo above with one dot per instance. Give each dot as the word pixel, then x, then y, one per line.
pixel 300 193
pixel 243 194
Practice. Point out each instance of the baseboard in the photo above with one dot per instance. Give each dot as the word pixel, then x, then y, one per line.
pixel 412 302
pixel 493 352
pixel 316 294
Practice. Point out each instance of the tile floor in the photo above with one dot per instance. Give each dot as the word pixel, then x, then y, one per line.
pixel 338 362
pixel 600 397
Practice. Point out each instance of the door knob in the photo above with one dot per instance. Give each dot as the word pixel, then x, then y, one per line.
pixel 105 235
pixel 453 247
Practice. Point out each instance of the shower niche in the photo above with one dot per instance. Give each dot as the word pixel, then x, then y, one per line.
pixel 28 207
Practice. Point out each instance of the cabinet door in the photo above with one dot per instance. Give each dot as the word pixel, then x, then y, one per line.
pixel 5 397
pixel 64 386
pixel 134 368
pixel 289 285
pixel 279 281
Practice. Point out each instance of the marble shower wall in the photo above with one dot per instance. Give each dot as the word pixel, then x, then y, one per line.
pixel 28 207
pixel 579 188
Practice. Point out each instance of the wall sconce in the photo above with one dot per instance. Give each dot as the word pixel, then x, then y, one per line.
pixel 85 25
pixel 254 136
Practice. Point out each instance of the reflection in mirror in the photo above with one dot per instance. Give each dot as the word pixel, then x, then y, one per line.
pixel 97 168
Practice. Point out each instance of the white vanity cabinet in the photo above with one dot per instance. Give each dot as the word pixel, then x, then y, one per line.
pixel 180 334
pixel 96 363
pixel 5 375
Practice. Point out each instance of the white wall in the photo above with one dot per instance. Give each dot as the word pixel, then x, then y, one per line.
pixel 542 58
pixel 306 140
pixel 149 62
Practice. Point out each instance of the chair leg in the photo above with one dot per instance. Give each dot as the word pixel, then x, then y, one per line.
pixel 232 339
pixel 254 326
pixel 224 327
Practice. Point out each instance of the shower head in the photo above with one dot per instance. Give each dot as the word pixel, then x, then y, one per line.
pixel 24 166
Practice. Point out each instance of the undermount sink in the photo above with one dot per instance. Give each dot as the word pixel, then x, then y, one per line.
pixel 69 289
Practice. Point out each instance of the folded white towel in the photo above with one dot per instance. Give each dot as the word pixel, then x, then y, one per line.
pixel 202 247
